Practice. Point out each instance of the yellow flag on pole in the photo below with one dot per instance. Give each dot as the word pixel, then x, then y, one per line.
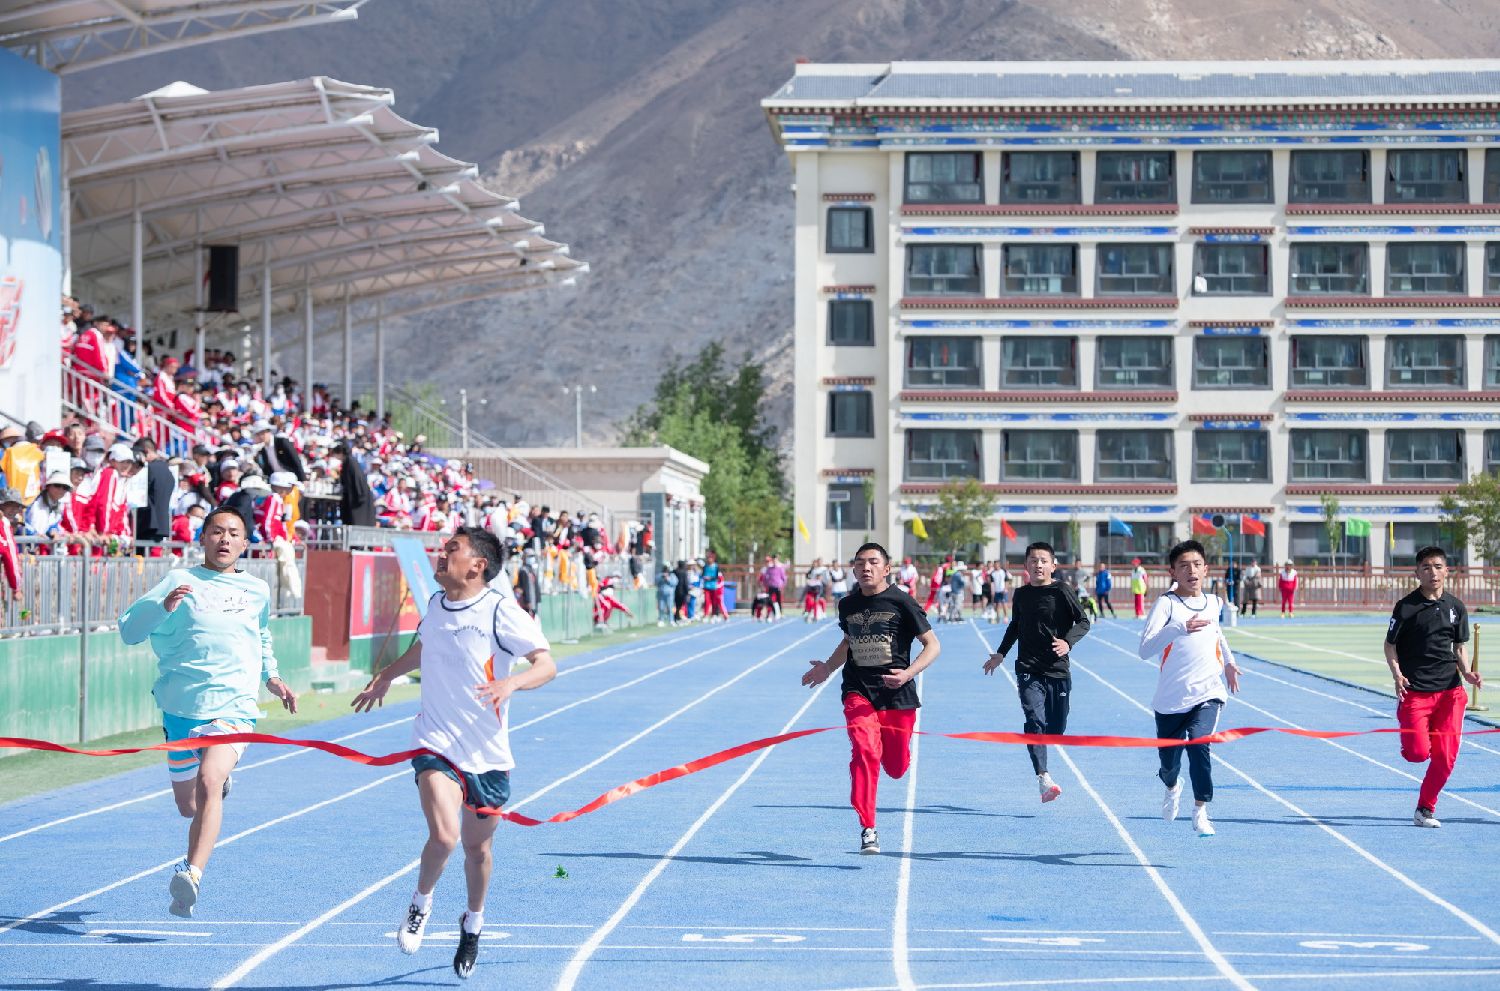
pixel 918 528
pixel 802 528
pixel 1390 528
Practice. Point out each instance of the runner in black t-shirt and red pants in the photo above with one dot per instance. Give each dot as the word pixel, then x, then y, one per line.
pixel 879 621
pixel 1427 648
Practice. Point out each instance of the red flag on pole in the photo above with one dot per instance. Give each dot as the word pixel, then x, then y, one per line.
pixel 1202 525
pixel 1008 532
pixel 1251 526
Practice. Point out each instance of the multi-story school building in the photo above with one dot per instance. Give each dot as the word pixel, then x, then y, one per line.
pixel 1125 294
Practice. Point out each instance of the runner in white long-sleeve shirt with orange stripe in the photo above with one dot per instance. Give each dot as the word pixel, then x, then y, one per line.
pixel 1182 630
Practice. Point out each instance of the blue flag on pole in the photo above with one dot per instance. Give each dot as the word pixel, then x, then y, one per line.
pixel 1119 528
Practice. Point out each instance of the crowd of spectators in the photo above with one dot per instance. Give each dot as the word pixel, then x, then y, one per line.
pixel 108 480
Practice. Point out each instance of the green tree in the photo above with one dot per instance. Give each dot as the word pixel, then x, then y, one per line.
pixel 1332 524
pixel 958 522
pixel 711 411
pixel 1472 515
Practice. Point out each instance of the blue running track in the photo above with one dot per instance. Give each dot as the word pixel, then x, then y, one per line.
pixel 746 876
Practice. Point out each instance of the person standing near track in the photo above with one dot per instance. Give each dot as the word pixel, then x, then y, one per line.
pixel 773 580
pixel 1104 583
pixel 210 628
pixel 879 690
pixel 1286 584
pixel 1047 621
pixel 1250 590
pixel 713 589
pixel 469 631
pixel 1427 650
pixel 1183 629
pixel 1138 586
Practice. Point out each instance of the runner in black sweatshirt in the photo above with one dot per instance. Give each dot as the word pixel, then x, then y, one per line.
pixel 1047 621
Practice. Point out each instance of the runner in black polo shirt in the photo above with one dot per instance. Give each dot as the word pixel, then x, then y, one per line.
pixel 879 621
pixel 1427 649
pixel 1047 621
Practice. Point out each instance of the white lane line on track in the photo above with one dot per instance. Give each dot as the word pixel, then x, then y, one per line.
pixel 222 843
pixel 575 966
pixel 245 968
pixel 1205 945
pixel 1308 646
pixel 1358 975
pixel 167 791
pixel 1369 857
pixel 160 793
pixel 1332 743
pixel 254 829
pixel 900 942
pixel 1385 713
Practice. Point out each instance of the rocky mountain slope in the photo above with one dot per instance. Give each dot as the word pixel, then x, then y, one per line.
pixel 632 128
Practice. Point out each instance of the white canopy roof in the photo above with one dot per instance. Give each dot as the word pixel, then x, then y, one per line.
pixel 317 178
pixel 69 35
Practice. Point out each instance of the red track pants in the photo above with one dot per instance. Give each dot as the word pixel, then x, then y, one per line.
pixel 880 738
pixel 1437 718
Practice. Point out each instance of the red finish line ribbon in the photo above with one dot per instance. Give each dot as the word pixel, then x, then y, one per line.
pixel 624 791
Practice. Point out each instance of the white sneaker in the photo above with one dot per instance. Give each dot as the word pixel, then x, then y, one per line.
pixel 1200 821
pixel 413 925
pixel 1171 801
pixel 1048 788
pixel 869 841
pixel 1425 818
pixel 184 890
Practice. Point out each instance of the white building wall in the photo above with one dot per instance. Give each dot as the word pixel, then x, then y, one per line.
pixel 881 171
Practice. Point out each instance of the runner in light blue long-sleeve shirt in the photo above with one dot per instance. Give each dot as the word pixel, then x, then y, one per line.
pixel 210 629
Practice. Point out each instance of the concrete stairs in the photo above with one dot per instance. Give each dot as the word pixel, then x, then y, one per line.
pixel 334 676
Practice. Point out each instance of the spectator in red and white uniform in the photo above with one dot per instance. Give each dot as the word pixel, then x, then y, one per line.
pixel 270 511
pixel 109 513
pixel 10 558
pixel 396 505
pixel 229 479
pixel 164 386
pixel 50 515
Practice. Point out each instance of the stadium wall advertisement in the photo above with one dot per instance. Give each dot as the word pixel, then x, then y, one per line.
pixel 31 265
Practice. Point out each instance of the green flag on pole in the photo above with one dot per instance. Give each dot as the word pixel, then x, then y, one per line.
pixel 1356 527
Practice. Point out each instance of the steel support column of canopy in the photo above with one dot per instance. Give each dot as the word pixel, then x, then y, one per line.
pixel 380 358
pixel 346 396
pixel 307 348
pixel 137 288
pixel 199 304
pixel 265 328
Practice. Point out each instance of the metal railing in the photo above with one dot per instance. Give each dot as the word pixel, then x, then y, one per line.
pixel 129 418
pixel 337 537
pixel 492 462
pixel 68 593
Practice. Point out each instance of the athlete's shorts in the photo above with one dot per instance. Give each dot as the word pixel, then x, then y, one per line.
pixel 182 765
pixel 491 789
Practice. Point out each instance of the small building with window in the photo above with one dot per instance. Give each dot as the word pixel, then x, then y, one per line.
pixel 1144 291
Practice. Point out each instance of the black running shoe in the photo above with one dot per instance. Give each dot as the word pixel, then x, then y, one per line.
pixel 869 842
pixel 468 951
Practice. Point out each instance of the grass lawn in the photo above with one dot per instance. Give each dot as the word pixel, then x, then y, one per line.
pixel 1347 651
